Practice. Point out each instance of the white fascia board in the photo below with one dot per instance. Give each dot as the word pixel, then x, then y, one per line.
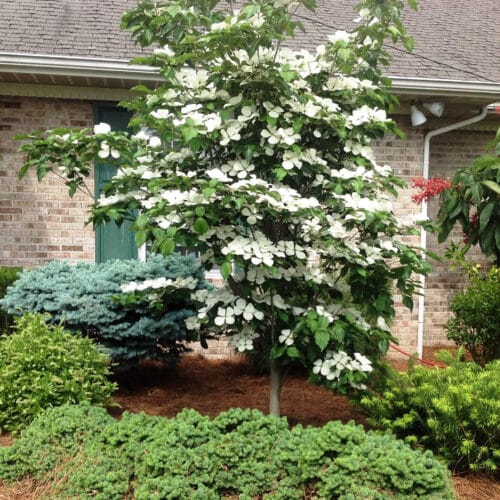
pixel 76 66
pixel 457 88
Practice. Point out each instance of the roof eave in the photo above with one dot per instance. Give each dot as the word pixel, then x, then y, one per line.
pixel 76 66
pixel 110 69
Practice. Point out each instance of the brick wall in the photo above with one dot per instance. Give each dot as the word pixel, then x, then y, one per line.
pixel 448 152
pixel 38 221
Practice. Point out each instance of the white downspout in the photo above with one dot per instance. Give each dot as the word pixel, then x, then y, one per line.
pixel 423 233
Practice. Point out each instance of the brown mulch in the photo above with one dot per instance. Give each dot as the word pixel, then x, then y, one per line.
pixel 214 386
pixel 211 387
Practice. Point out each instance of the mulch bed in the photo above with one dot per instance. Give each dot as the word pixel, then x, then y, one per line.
pixel 214 386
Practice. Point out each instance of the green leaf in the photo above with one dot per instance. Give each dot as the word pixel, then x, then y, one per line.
pixel 408 302
pixel 195 144
pixel 485 215
pixel 322 322
pixel 189 133
pixel 41 172
pixel 281 173
pixel 486 240
pixel 226 269
pixel 493 186
pixel 293 352
pixel 141 221
pixel 141 238
pixel 167 246
pixel 383 346
pixel 277 351
pixel 208 191
pixel 288 76
pixel 199 211
pixel 338 331
pixel 322 338
pixel 200 226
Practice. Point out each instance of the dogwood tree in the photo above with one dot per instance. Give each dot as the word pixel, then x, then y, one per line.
pixel 259 157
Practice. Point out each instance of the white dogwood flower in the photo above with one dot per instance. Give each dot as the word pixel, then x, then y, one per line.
pixel 154 142
pixel 286 337
pixel 243 341
pixel 231 132
pixel 102 128
pixel 225 316
pixel 165 50
pixel 106 151
pixel 340 36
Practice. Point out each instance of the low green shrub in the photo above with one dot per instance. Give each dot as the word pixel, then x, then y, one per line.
pixel 453 411
pixel 43 366
pixel 239 453
pixel 85 297
pixel 476 321
pixel 58 433
pixel 8 275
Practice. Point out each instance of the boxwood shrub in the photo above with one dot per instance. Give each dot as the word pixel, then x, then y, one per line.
pixel 43 366
pixel 84 296
pixel 241 453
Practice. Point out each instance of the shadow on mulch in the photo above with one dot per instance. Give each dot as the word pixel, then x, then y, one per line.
pixel 211 386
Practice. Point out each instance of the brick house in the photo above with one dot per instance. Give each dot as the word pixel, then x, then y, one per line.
pixel 64 64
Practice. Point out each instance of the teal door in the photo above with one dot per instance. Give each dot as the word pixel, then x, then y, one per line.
pixel 112 241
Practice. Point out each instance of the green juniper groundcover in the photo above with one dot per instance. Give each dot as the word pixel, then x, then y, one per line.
pixel 240 452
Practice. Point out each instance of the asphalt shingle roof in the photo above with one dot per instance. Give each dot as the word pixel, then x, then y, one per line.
pixel 454 40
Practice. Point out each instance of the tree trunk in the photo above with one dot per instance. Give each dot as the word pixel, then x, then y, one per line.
pixel 275 390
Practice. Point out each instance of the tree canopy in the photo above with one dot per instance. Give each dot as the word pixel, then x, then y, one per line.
pixel 259 157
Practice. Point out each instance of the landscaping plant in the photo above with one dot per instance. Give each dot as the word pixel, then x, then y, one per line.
pixel 82 451
pixel 453 411
pixel 475 324
pixel 272 179
pixel 42 366
pixel 8 275
pixel 471 199
pixel 111 302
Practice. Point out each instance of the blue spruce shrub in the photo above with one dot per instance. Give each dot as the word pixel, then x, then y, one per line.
pixel 8 275
pixel 87 298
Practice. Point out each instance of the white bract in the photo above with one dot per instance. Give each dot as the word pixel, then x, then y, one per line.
pixel 243 341
pixel 102 128
pixel 159 283
pixel 335 363
pixel 106 151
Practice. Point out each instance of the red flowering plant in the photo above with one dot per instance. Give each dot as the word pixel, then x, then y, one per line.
pixel 471 198
pixel 429 188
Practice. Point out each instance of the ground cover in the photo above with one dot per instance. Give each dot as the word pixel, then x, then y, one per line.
pixel 214 386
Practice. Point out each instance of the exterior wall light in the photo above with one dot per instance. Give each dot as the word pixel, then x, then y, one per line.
pixel 417 117
pixel 435 108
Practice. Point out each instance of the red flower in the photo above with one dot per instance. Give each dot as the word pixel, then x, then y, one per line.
pixel 429 188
